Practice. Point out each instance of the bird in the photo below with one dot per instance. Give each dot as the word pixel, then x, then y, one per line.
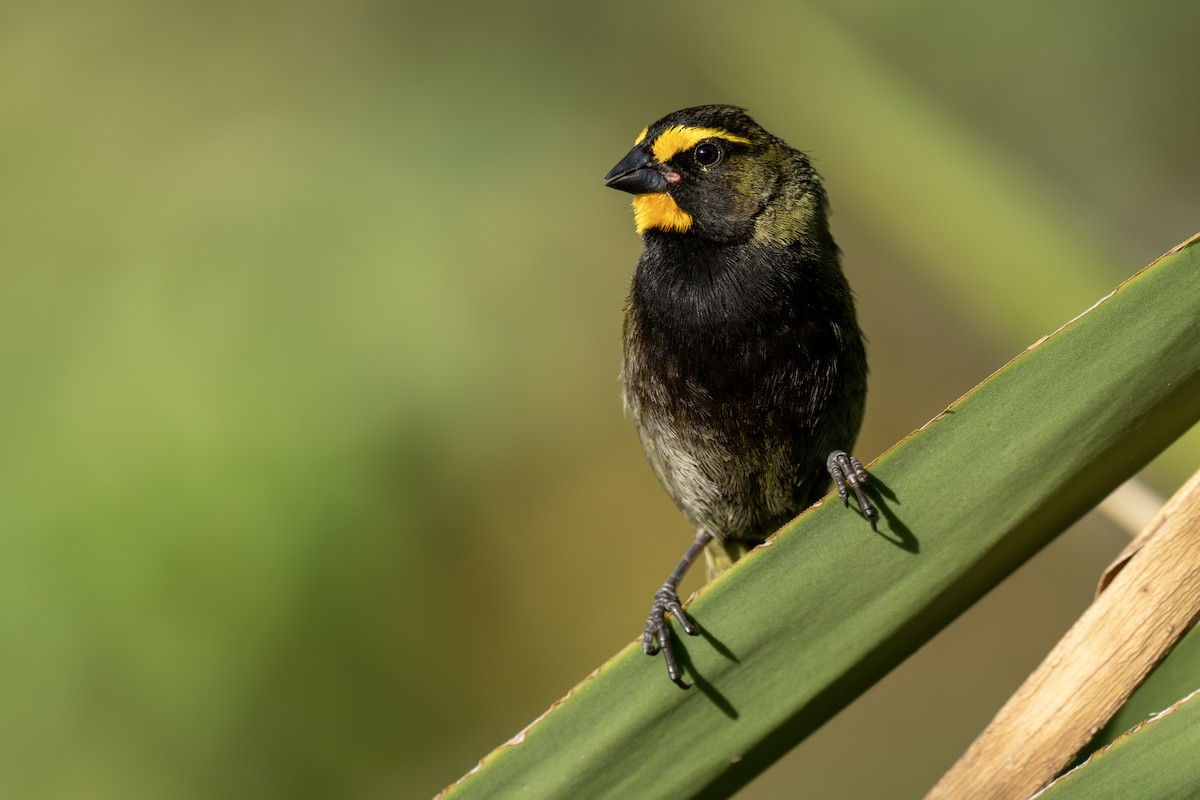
pixel 744 368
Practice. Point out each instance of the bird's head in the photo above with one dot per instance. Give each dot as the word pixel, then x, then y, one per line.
pixel 713 172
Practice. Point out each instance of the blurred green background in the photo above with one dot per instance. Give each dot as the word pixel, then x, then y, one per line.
pixel 314 480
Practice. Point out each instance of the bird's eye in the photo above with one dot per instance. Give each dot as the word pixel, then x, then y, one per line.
pixel 707 154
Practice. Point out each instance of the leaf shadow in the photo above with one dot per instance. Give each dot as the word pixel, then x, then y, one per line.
pixel 700 682
pixel 895 531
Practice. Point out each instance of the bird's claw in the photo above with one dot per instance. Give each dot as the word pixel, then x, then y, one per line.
pixel 848 474
pixel 657 635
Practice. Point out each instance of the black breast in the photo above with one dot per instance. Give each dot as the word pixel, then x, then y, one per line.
pixel 748 360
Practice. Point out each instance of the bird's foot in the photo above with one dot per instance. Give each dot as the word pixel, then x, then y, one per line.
pixel 658 630
pixel 849 475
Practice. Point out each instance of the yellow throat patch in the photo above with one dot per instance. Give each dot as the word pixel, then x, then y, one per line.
pixel 659 210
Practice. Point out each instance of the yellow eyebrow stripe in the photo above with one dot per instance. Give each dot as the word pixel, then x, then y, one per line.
pixel 640 137
pixel 674 141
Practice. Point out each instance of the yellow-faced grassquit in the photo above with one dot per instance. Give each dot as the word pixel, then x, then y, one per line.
pixel 745 370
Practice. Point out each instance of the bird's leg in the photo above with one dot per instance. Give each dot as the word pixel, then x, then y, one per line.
pixel 666 601
pixel 847 471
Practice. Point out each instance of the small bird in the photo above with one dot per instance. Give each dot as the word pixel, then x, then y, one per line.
pixel 744 369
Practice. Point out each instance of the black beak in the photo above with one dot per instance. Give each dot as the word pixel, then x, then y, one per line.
pixel 636 173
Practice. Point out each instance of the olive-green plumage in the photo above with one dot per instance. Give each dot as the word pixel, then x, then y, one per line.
pixel 744 365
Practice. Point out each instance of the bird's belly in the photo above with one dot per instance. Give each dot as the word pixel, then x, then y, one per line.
pixel 718 481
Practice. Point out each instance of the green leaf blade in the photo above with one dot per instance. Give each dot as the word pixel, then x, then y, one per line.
pixel 804 625
pixel 1156 761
